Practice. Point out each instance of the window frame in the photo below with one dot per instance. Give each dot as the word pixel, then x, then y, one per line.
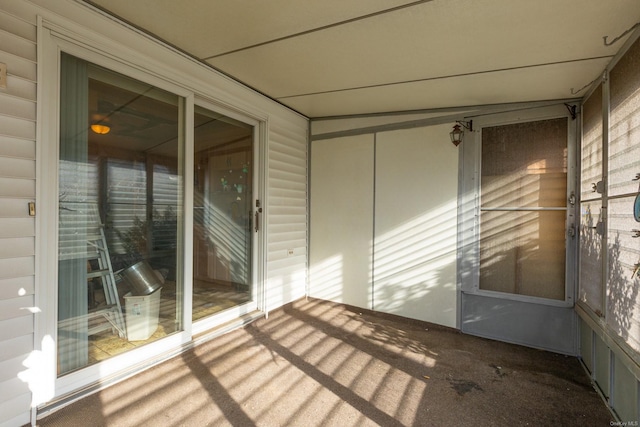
pixel 470 200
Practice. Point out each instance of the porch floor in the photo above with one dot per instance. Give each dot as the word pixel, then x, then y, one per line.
pixel 316 363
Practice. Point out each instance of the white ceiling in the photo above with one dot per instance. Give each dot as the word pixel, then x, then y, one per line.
pixel 327 58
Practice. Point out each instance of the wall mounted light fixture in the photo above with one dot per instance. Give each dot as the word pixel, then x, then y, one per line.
pixel 457 134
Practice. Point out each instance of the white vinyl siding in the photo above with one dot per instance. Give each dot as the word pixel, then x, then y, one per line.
pixel 285 193
pixel 286 213
pixel 17 228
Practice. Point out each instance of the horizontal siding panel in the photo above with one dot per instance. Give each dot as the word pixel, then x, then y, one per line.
pixel 16 267
pixel 284 130
pixel 280 180
pixel 17 26
pixel 286 220
pixel 15 187
pixel 13 208
pixel 18 326
pixel 17 247
pixel 17 128
pixel 299 211
pixel 9 368
pixel 12 387
pixel 16 287
pixel 299 193
pixel 298 247
pixel 16 409
pixel 20 88
pixel 19 67
pixel 292 168
pixel 289 148
pixel 297 157
pixel 17 45
pixel 19 346
pixel 287 201
pixel 17 168
pixel 297 227
pixel 17 227
pixel 17 107
pixel 17 147
pixel 16 307
pixel 20 10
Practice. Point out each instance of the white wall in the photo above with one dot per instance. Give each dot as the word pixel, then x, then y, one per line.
pixel 415 224
pixel 285 216
pixel 341 236
pixel 383 222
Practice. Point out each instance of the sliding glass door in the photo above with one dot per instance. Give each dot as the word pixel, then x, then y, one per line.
pixel 224 223
pixel 119 214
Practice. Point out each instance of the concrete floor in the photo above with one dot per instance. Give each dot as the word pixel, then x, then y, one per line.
pixel 316 363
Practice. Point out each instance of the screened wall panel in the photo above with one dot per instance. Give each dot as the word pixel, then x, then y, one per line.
pixel 590 281
pixel 591 147
pixel 623 302
pixel 623 282
pixel 523 208
pixel 624 138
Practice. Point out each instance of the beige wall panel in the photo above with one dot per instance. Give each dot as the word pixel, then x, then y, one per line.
pixel 17 128
pixel 17 247
pixel 15 267
pixel 17 227
pixel 19 67
pixel 18 27
pixel 16 287
pixel 16 307
pixel 16 347
pixel 416 225
pixel 342 220
pixel 16 147
pixel 13 208
pixel 17 168
pixel 16 107
pixel 18 326
pixel 17 45
pixel 12 408
pixel 14 187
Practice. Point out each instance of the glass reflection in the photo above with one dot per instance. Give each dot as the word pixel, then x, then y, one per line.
pixel 120 203
pixel 222 235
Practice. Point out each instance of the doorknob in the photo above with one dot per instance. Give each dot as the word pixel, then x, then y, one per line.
pixel 635 233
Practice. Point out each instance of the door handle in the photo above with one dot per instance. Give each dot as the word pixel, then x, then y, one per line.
pixel 257 219
pixel 635 233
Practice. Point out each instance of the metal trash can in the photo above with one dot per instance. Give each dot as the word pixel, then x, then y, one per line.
pixel 141 279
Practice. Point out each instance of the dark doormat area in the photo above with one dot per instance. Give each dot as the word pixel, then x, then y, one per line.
pixel 317 363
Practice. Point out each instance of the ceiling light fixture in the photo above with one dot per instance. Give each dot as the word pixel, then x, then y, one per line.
pixel 100 128
pixel 100 122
